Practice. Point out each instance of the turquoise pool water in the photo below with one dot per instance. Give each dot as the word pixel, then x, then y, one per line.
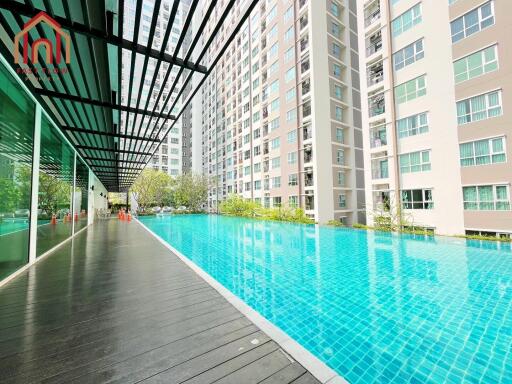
pixel 377 308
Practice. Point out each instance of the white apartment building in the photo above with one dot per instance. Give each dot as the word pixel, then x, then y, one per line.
pixel 169 157
pixel 436 80
pixel 281 121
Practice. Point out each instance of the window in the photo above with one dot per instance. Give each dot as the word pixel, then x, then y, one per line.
pixel 406 20
pixel 256 133
pixel 476 64
pixel 479 107
pixel 293 201
pixel 272 52
pixel 272 33
pixel 408 55
pixel 417 199
pixel 275 143
pixel 341 178
pixel 274 124
pixel 335 29
pixel 292 157
pixel 481 152
pixel 336 70
pixel 276 182
pixel 486 198
pixel 342 200
pixel 336 50
pixel 288 15
pixel 273 68
pixel 271 14
pixel 472 22
pixel 289 75
pixel 290 94
pixel 289 54
pixel 256 116
pixel 288 35
pixel 274 105
pixel 291 115
pixel 340 157
pixel 257 185
pixel 257 167
pixel 415 162
pixel 247 170
pixel 257 150
pixel 293 179
pixel 410 90
pixel 291 137
pixel 335 9
pixel 276 162
pixel 339 135
pixel 412 125
pixel 276 201
pixel 248 186
pixel 338 92
pixel 338 113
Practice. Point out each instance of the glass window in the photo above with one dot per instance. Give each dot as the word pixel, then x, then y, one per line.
pixel 472 22
pixel 82 194
pixel 410 90
pixel 476 64
pixel 486 198
pixel 408 55
pixel 479 107
pixel 481 152
pixel 17 116
pixel 412 125
pixel 293 179
pixel 55 188
pixel 415 162
pixel 417 199
pixel 292 136
pixel 406 20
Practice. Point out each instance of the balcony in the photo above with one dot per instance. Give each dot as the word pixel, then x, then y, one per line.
pixel 376 105
pixel 372 14
pixel 303 23
pixel 304 44
pixel 305 87
pixel 307 132
pixel 304 65
pixel 306 109
pixel 308 154
pixel 373 43
pixel 378 136
pixel 309 202
pixel 380 168
pixel 375 73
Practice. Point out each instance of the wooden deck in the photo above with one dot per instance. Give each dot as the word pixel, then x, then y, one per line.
pixel 114 305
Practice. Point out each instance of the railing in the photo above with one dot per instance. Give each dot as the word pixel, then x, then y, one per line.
pixel 374 44
pixel 376 105
pixel 371 16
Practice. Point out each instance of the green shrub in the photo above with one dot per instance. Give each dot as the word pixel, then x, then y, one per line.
pixel 487 238
pixel 335 223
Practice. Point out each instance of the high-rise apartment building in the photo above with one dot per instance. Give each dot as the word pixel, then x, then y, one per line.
pixel 176 146
pixel 436 85
pixel 281 121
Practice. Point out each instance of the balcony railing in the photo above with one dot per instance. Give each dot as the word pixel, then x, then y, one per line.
pixel 376 105
pixel 374 44
pixel 375 74
pixel 372 14
pixel 380 169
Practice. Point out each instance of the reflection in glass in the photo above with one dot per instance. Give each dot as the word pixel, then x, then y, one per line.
pixel 17 114
pixel 55 189
pixel 81 195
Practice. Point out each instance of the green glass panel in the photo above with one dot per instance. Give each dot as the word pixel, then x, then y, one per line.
pixel 81 200
pixel 17 116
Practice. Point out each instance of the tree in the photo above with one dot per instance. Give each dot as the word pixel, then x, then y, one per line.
pixel 190 190
pixel 53 193
pixel 236 205
pixel 152 187
pixel 10 196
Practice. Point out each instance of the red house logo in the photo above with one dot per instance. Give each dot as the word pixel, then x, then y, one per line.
pixel 47 44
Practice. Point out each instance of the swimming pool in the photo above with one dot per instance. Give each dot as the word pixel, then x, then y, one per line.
pixel 375 307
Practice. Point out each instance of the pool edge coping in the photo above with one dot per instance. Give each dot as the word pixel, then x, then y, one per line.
pixel 310 362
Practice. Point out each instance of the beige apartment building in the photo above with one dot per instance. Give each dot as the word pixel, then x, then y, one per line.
pixel 281 120
pixel 436 91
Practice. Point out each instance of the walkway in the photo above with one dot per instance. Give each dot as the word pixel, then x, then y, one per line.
pixel 114 305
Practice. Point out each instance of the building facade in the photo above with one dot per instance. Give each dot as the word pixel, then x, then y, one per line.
pixel 436 80
pixel 281 121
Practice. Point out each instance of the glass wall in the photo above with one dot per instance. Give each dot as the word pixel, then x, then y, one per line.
pixel 81 195
pixel 56 169
pixel 17 118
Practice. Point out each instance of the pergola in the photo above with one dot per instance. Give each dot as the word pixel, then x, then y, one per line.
pixel 118 137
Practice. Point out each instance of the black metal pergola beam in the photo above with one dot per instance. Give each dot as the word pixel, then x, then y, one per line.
pixel 109 134
pixel 101 103
pixel 114 150
pixel 92 158
pixel 28 11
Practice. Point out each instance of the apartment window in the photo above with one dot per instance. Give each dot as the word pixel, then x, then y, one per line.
pixel 248 186
pixel 276 182
pixel 410 90
pixel 255 67
pixel 288 35
pixel 274 124
pixel 339 135
pixel 290 95
pixel 291 115
pixel 272 52
pixel 289 75
pixel 476 64
pixel 336 50
pixel 336 70
pixel 289 54
pixel 338 113
pixel 335 29
pixel 293 201
pixel 257 185
pixel 256 83
pixel 486 198
pixel 415 162
pixel 257 167
pixel 256 150
pixel 288 15
pixel 417 199
pixel 275 143
pixel 479 107
pixel 293 179
pixel 276 201
pixel 472 22
pixel 274 86
pixel 340 157
pixel 276 162
pixel 406 20
pixel 247 170
pixel 412 125
pixel 273 68
pixel 292 157
pixel 256 116
pixel 338 93
pixel 341 178
pixel 256 133
pixel 408 55
pixel 271 14
pixel 272 33
pixel 335 9
pixel 247 154
pixel 342 201
pixel 291 137
pixel 274 105
pixel 482 152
